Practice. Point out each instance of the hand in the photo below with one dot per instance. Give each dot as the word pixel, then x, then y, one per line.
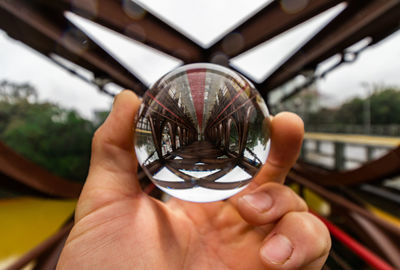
pixel 117 226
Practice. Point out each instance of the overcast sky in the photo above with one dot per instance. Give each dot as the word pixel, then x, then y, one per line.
pixel 377 64
pixel 19 63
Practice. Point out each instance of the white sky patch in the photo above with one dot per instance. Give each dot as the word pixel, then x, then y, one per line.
pixel 378 64
pixel 248 154
pixel 285 89
pixel 262 151
pixel 130 53
pixel 20 63
pixel 141 154
pixel 259 62
pixel 72 66
pixel 237 174
pixel 200 194
pixel 113 88
pixel 166 175
pixel 203 21
pixel 199 174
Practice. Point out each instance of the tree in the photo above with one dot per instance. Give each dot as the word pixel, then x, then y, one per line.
pixel 383 106
pixel 53 137
pixel 351 112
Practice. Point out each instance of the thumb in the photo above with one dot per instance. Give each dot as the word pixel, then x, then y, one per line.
pixel 113 165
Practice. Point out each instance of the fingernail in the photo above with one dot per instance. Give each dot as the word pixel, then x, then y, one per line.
pixel 261 201
pixel 277 250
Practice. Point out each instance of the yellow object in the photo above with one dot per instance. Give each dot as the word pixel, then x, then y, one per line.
pixel 142 131
pixel 25 222
pixel 317 203
pixel 384 215
pixel 313 200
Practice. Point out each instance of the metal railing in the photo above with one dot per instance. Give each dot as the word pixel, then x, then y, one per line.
pixel 379 130
pixel 342 151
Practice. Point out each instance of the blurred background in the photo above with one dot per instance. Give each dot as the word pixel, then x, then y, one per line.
pixel 335 63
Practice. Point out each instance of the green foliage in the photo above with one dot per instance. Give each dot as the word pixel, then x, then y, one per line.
pixel 351 112
pixel 383 105
pixel 55 138
pixel 323 116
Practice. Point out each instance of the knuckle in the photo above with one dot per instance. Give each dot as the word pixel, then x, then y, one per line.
pixel 315 230
pixel 303 204
pixel 101 138
pixel 97 137
pixel 277 189
pixel 287 192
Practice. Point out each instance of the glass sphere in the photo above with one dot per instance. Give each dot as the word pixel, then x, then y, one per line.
pixel 202 133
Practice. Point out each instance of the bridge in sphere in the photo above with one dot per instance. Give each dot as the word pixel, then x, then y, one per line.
pixel 199 135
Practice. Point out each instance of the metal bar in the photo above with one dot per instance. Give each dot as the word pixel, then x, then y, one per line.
pixel 41 248
pixel 340 261
pixel 49 260
pixel 380 239
pixel 83 78
pixel 340 159
pixel 341 201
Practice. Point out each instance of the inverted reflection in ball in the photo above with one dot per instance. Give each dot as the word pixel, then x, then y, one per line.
pixel 202 133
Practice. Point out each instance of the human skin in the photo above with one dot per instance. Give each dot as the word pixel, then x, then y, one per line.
pixel 118 226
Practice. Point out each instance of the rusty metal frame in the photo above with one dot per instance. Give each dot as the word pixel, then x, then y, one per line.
pixel 336 199
pixel 41 23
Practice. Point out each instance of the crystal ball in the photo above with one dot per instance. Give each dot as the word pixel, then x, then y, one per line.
pixel 202 133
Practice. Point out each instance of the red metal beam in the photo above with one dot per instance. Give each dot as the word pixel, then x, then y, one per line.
pixel 376 170
pixel 23 171
pixel 368 256
pixel 267 23
pixel 129 19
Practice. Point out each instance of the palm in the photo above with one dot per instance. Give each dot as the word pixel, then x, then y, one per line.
pixel 220 237
pixel 176 235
